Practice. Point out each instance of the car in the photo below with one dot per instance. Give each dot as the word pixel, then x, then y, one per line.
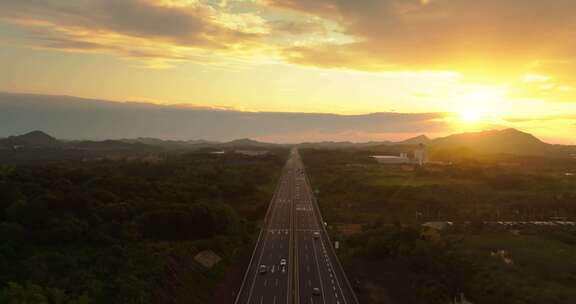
pixel 263 269
pixel 316 234
pixel 316 291
pixel 283 262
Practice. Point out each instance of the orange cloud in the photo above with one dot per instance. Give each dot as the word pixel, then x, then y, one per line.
pixel 488 40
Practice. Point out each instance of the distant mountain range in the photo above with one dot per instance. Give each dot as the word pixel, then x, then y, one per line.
pixel 109 127
pixel 508 141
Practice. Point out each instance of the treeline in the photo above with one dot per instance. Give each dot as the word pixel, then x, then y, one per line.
pixel 106 232
pixel 350 180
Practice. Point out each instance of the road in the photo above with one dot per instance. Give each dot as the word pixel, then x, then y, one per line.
pixel 295 231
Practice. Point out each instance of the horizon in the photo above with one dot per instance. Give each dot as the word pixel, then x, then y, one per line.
pixel 374 129
pixel 383 141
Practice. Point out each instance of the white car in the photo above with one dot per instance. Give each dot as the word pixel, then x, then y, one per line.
pixel 283 262
pixel 316 235
pixel 263 269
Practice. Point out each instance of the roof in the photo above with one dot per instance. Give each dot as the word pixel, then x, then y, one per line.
pixel 387 157
pixel 207 258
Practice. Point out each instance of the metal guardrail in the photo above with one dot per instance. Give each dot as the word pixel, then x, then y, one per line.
pixel 263 228
pixel 319 214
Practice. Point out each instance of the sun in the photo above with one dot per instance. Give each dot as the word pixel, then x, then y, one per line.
pixel 478 105
pixel 471 115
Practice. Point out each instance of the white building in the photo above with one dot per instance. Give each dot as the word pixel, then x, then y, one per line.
pixel 421 155
pixel 389 159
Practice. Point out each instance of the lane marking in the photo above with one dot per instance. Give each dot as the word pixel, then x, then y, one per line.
pixel 274 210
pixel 319 275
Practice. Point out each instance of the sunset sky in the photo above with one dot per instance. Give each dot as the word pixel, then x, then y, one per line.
pixel 481 63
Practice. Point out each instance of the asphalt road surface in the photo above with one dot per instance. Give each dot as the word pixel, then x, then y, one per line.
pixel 294 231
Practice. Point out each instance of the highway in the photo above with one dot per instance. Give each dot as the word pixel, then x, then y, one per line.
pixel 294 230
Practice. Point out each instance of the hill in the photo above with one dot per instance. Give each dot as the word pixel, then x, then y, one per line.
pixel 421 139
pixel 34 139
pixel 508 141
pixel 475 144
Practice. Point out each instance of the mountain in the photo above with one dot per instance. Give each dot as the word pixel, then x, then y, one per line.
pixel 508 141
pixel 34 139
pixel 110 145
pixel 421 139
pixel 472 144
pixel 246 143
pixel 38 147
pixel 173 144
pixel 342 144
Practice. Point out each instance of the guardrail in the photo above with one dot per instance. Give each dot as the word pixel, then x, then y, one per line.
pixel 319 214
pixel 266 216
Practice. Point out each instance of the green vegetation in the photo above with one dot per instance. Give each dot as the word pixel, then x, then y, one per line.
pixel 127 231
pixel 351 181
pixel 393 259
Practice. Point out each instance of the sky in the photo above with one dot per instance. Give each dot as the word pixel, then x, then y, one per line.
pixel 482 64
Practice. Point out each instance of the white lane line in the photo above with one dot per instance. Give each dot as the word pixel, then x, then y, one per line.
pixel 261 299
pixel 272 217
pixel 319 274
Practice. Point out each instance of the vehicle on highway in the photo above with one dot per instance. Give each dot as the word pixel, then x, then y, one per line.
pixel 283 262
pixel 316 234
pixel 263 269
pixel 316 291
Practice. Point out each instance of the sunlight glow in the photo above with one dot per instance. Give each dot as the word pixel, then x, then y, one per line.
pixel 480 105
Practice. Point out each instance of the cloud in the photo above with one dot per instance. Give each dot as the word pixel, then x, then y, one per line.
pixel 488 40
pixel 166 30
pixel 77 118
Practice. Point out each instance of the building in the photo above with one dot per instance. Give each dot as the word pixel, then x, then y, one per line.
pixel 207 258
pixel 389 159
pixel 420 155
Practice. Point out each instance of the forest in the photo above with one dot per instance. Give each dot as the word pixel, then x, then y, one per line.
pixel 126 231
pixel 391 257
